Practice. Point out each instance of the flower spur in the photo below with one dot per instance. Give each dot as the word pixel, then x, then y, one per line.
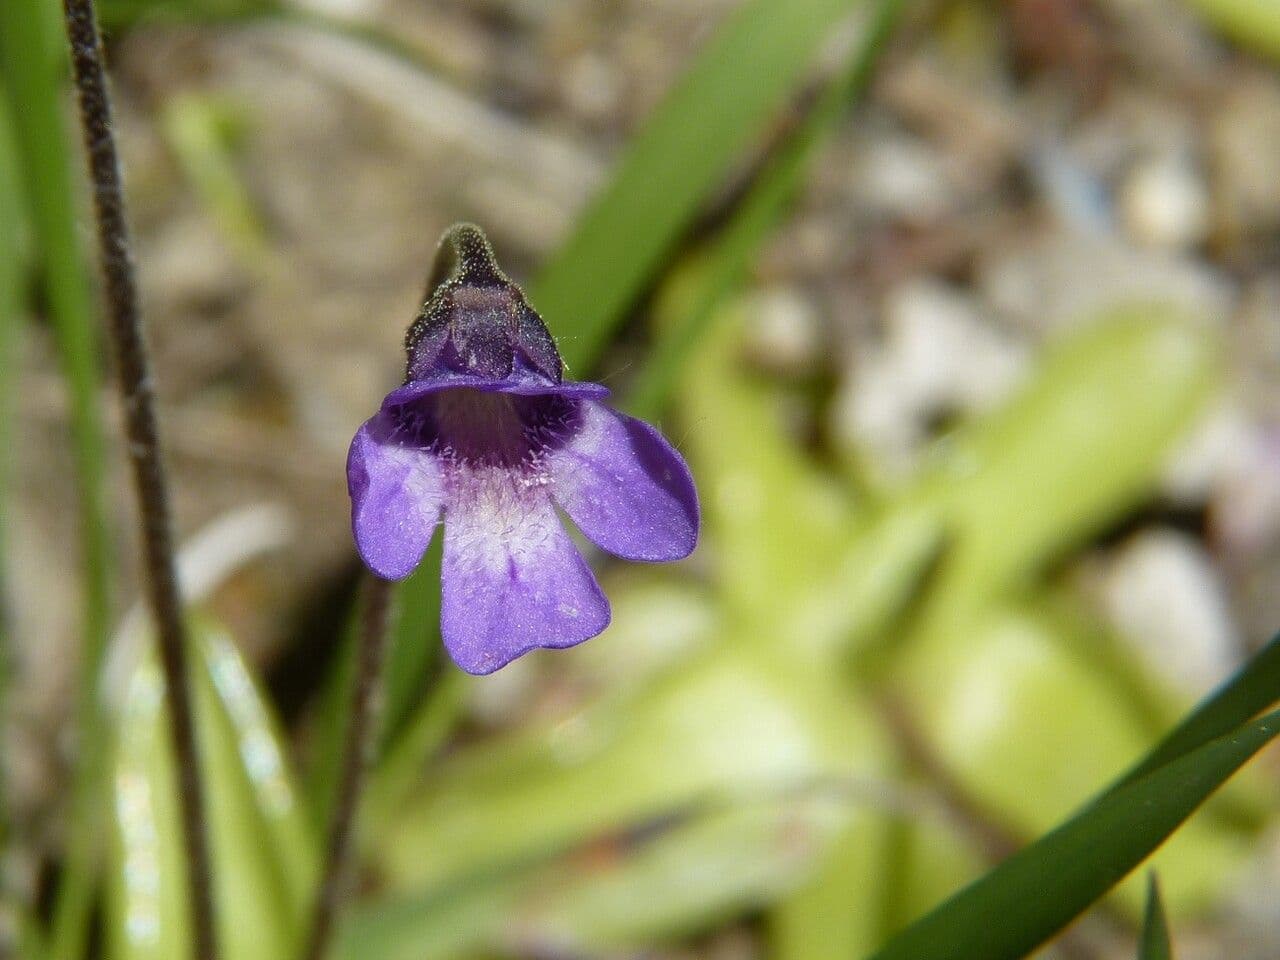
pixel 487 434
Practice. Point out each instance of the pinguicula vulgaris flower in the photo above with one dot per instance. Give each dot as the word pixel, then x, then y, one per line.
pixel 487 437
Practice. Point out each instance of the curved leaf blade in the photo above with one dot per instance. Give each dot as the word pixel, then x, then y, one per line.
pixel 1083 442
pixel 1253 688
pixel 1039 890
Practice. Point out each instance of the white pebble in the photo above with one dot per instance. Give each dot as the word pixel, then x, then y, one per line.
pixel 782 330
pixel 938 356
pixel 1163 594
pixel 1164 203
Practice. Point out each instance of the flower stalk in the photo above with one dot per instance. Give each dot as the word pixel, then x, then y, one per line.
pixel 360 742
pixel 144 451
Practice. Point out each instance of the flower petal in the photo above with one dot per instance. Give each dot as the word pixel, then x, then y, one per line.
pixel 626 488
pixel 512 580
pixel 397 492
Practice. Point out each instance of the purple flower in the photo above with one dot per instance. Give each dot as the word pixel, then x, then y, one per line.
pixel 485 433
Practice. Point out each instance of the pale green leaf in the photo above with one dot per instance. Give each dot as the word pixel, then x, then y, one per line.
pixel 263 853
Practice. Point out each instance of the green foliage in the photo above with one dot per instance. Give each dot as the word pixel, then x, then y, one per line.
pixel 757 712
pixel 1244 696
pixel 1010 701
pixel 411 701
pixel 1252 23
pixel 264 852
pixel 737 243
pixel 201 132
pixel 680 156
pixel 1036 892
pixel 812 920
pixel 31 65
pixel 1155 931
pixel 738 760
pixel 32 62
pixel 12 315
pixel 620 895
pixel 1082 444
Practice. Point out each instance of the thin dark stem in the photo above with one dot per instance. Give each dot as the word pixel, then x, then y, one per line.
pixel 357 752
pixel 144 451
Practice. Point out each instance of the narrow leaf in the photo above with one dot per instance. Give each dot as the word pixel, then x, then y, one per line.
pixel 415 646
pixel 757 215
pixel 1155 931
pixel 722 723
pixel 195 127
pixel 1250 691
pixel 12 315
pixel 780 523
pixel 1039 890
pixel 682 154
pixel 31 66
pixel 409 695
pixel 264 854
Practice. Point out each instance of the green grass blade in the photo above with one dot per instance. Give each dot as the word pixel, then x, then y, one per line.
pixel 779 541
pixel 684 151
pixel 31 60
pixel 32 67
pixel 409 754
pixel 757 215
pixel 1039 890
pixel 812 921
pixel 1251 690
pixel 13 911
pixel 328 719
pixel 198 130
pixel 12 314
pixel 1155 930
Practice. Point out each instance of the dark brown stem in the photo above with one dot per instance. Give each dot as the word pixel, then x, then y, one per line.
pixel 357 753
pixel 144 451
